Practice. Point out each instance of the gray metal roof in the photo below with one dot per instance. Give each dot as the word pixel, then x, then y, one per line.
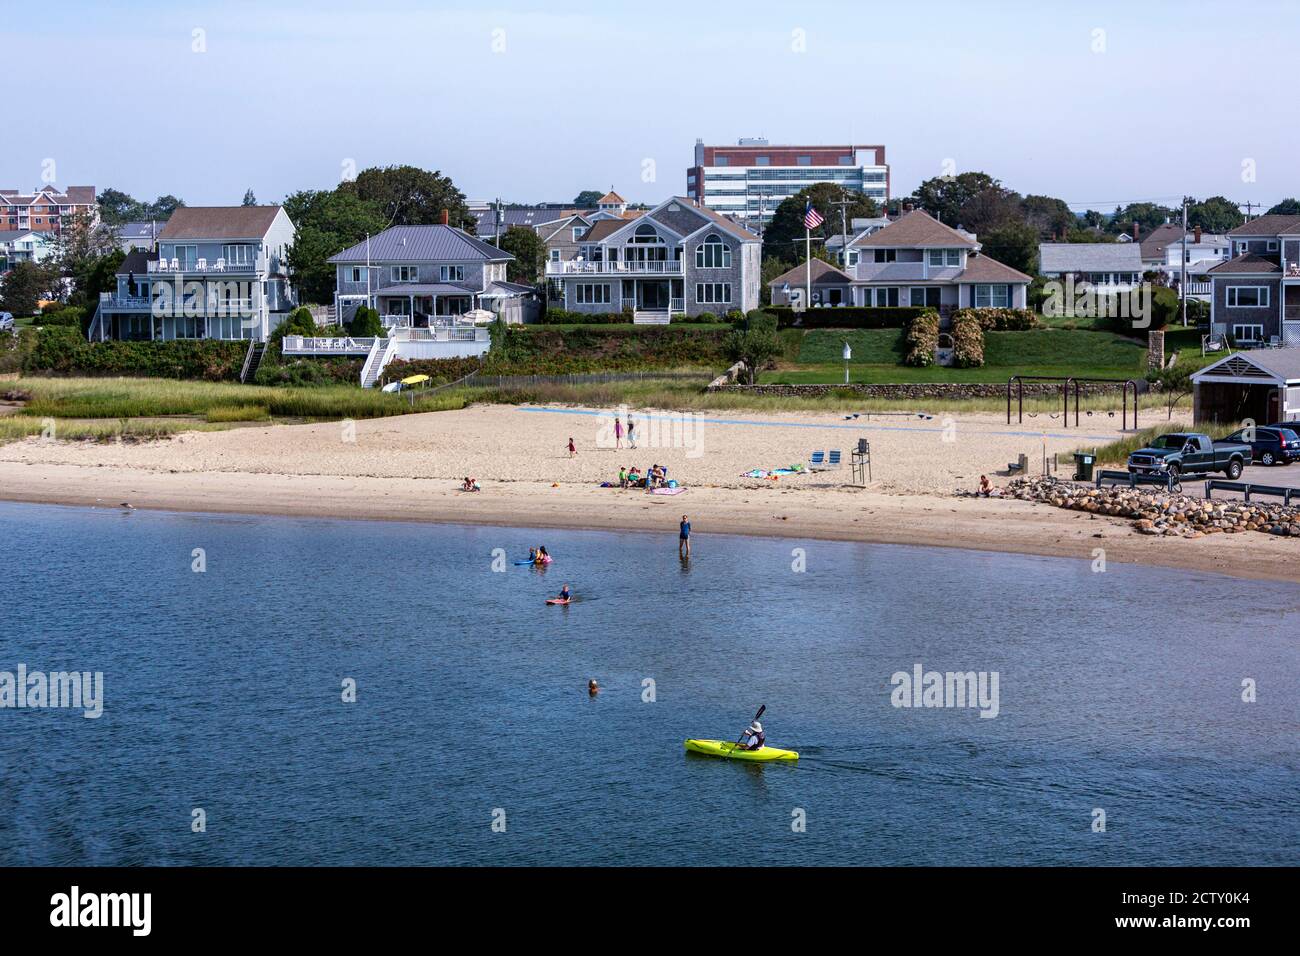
pixel 1283 365
pixel 529 216
pixel 426 288
pixel 423 244
pixel 140 230
pixel 1060 257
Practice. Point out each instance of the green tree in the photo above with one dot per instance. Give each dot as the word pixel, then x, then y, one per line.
pixel 365 323
pixel 410 196
pixel 753 340
pixel 1147 215
pixel 162 207
pixel 22 287
pixel 327 222
pixel 944 196
pixel 529 253
pixel 1175 384
pixel 1215 214
pixel 1014 244
pixel 587 199
pixel 249 198
pixel 1092 219
pixel 989 209
pixel 1287 207
pixel 116 207
pixel 1051 217
pixel 784 236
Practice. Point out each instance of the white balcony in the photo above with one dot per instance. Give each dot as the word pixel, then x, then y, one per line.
pixel 208 266
pixel 622 267
pixel 124 303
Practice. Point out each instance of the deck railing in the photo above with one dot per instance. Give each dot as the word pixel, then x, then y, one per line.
pixel 618 267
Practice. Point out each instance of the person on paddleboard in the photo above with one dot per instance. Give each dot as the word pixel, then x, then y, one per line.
pixel 754 737
pixel 565 594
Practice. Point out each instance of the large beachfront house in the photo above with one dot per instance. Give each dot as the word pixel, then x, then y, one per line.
pixel 914 261
pixel 1105 266
pixel 412 275
pixel 1256 295
pixel 219 272
pixel 680 257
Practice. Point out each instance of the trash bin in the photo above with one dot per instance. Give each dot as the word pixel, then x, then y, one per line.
pixel 1083 466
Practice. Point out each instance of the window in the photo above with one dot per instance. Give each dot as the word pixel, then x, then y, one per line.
pixel 886 255
pixel 853 257
pixel 1247 333
pixel 944 257
pixel 590 293
pixel 451 273
pixel 405 273
pixel 720 161
pixel 712 253
pixel 555 255
pixel 238 255
pixel 713 293
pixel 803 161
pixel 1248 296
pixel 187 255
pixel 1272 245
pixel 993 296
pixel 762 160
pixel 356 274
pixel 882 298
pixel 579 232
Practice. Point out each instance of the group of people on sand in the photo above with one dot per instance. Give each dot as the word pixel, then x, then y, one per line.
pixel 470 484
pixel 618 432
pixel 656 477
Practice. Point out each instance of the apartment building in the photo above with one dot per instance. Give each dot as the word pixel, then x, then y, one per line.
pixel 46 209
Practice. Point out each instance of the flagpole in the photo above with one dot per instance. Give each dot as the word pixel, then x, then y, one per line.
pixel 807 239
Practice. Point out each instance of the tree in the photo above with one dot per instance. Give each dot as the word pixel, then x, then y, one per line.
pixel 116 207
pixel 784 236
pixel 163 207
pixel 944 196
pixel 587 199
pixel 989 209
pixel 1175 384
pixel 1092 219
pixel 410 196
pixel 249 198
pixel 365 323
pixel 1215 214
pixel 1147 215
pixel 529 253
pixel 328 221
pixel 1014 244
pixel 1287 207
pixel 753 340
pixel 1051 217
pixel 22 288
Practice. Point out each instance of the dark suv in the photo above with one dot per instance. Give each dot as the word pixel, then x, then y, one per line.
pixel 1273 444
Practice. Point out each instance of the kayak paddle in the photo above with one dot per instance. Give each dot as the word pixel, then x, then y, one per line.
pixel 762 707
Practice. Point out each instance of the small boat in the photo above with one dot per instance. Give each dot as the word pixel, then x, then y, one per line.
pixel 728 749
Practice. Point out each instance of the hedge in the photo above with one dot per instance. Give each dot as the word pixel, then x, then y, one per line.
pixel 967 339
pixel 563 317
pixel 852 317
pixel 1002 320
pixel 922 339
pixel 539 350
pixel 63 350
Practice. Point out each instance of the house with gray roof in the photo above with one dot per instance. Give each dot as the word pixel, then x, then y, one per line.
pixel 678 258
pixel 416 275
pixel 1256 294
pixel 219 272
pixel 1107 266
pixel 138 235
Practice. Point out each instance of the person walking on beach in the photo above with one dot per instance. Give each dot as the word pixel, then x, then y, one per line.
pixel 618 432
pixel 573 449
pixel 631 432
pixel 684 538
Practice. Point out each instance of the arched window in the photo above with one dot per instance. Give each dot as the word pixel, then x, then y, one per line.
pixel 712 253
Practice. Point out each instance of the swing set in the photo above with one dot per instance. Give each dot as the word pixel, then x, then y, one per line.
pixel 1066 382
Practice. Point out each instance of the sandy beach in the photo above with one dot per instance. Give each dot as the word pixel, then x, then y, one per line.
pixel 409 469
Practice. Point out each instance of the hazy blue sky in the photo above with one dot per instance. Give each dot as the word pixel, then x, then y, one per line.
pixel 532 101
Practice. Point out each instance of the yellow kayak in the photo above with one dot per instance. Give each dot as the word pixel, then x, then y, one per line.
pixel 728 748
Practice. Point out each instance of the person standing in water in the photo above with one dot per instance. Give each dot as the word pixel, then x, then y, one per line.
pixel 684 538
pixel 593 688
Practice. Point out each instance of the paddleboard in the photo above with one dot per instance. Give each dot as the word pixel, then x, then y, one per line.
pixel 559 600
pixel 729 750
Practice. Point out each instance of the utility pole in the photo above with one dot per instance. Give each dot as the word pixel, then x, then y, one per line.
pixel 1249 206
pixel 1182 282
pixel 844 228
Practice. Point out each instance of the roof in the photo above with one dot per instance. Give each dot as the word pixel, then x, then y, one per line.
pixel 436 243
pixel 1267 225
pixel 219 222
pixel 12 235
pixel 983 269
pixel 1248 263
pixel 527 216
pixel 918 229
pixel 1279 365
pixel 140 230
pixel 425 288
pixel 823 273
pixel 1058 257
pixel 728 225
pixel 136 262
pixel 72 196
pixel 602 228
pixel 1153 244
pixel 611 198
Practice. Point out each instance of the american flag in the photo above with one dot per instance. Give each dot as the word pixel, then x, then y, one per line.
pixel 811 217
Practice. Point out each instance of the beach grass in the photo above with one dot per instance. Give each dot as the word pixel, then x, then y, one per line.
pixel 14 427
pixel 238 413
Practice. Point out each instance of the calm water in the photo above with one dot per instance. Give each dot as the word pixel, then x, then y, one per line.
pixel 1117 690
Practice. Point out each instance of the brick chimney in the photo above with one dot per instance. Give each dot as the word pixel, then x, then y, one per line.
pixel 1197 234
pixel 1135 231
pixel 907 207
pixel 443 216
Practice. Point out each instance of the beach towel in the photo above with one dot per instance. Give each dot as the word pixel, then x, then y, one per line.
pixel 667 491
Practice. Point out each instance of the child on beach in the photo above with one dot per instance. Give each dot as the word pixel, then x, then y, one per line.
pixel 573 449
pixel 622 476
pixel 618 432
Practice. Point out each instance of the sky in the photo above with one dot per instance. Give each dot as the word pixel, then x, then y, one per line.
pixel 1099 103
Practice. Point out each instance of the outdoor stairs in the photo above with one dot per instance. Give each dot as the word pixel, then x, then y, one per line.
pixel 650 318
pixel 252 362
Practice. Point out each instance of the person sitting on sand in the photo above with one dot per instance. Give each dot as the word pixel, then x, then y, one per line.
pixel 753 737
pixel 634 478
pixel 986 488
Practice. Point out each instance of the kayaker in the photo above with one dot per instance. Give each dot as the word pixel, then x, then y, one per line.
pixel 754 737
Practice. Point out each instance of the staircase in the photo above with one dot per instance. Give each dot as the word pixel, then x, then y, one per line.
pixel 381 353
pixel 252 361
pixel 650 318
pixel 98 326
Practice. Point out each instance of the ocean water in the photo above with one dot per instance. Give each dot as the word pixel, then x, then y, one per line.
pixel 1118 692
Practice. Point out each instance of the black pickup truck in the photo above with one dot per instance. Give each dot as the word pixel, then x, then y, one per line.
pixel 1190 453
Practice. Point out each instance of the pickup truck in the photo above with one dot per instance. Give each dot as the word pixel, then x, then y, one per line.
pixel 1190 453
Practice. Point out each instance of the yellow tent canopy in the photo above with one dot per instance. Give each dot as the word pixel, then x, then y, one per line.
pixel 415 379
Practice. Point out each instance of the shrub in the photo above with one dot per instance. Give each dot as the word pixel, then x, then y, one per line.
pixel 563 317
pixel 365 323
pixel 540 350
pixel 967 340
pixel 848 317
pixel 1002 320
pixel 68 316
pixel 63 350
pixel 922 339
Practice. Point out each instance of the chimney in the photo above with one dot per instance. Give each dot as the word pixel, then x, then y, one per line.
pixel 907 207
pixel 442 217
pixel 1135 232
pixel 1198 234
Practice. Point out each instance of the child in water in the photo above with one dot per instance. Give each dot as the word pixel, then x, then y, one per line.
pixel 566 594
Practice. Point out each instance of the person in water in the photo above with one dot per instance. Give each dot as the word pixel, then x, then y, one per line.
pixel 532 555
pixel 543 556
pixel 753 738
pixel 566 594
pixel 684 538
pixel 593 688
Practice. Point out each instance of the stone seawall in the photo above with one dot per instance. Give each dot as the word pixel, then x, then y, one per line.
pixel 913 390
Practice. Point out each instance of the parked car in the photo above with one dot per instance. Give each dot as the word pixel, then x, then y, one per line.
pixel 1273 444
pixel 1190 453
pixel 6 322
